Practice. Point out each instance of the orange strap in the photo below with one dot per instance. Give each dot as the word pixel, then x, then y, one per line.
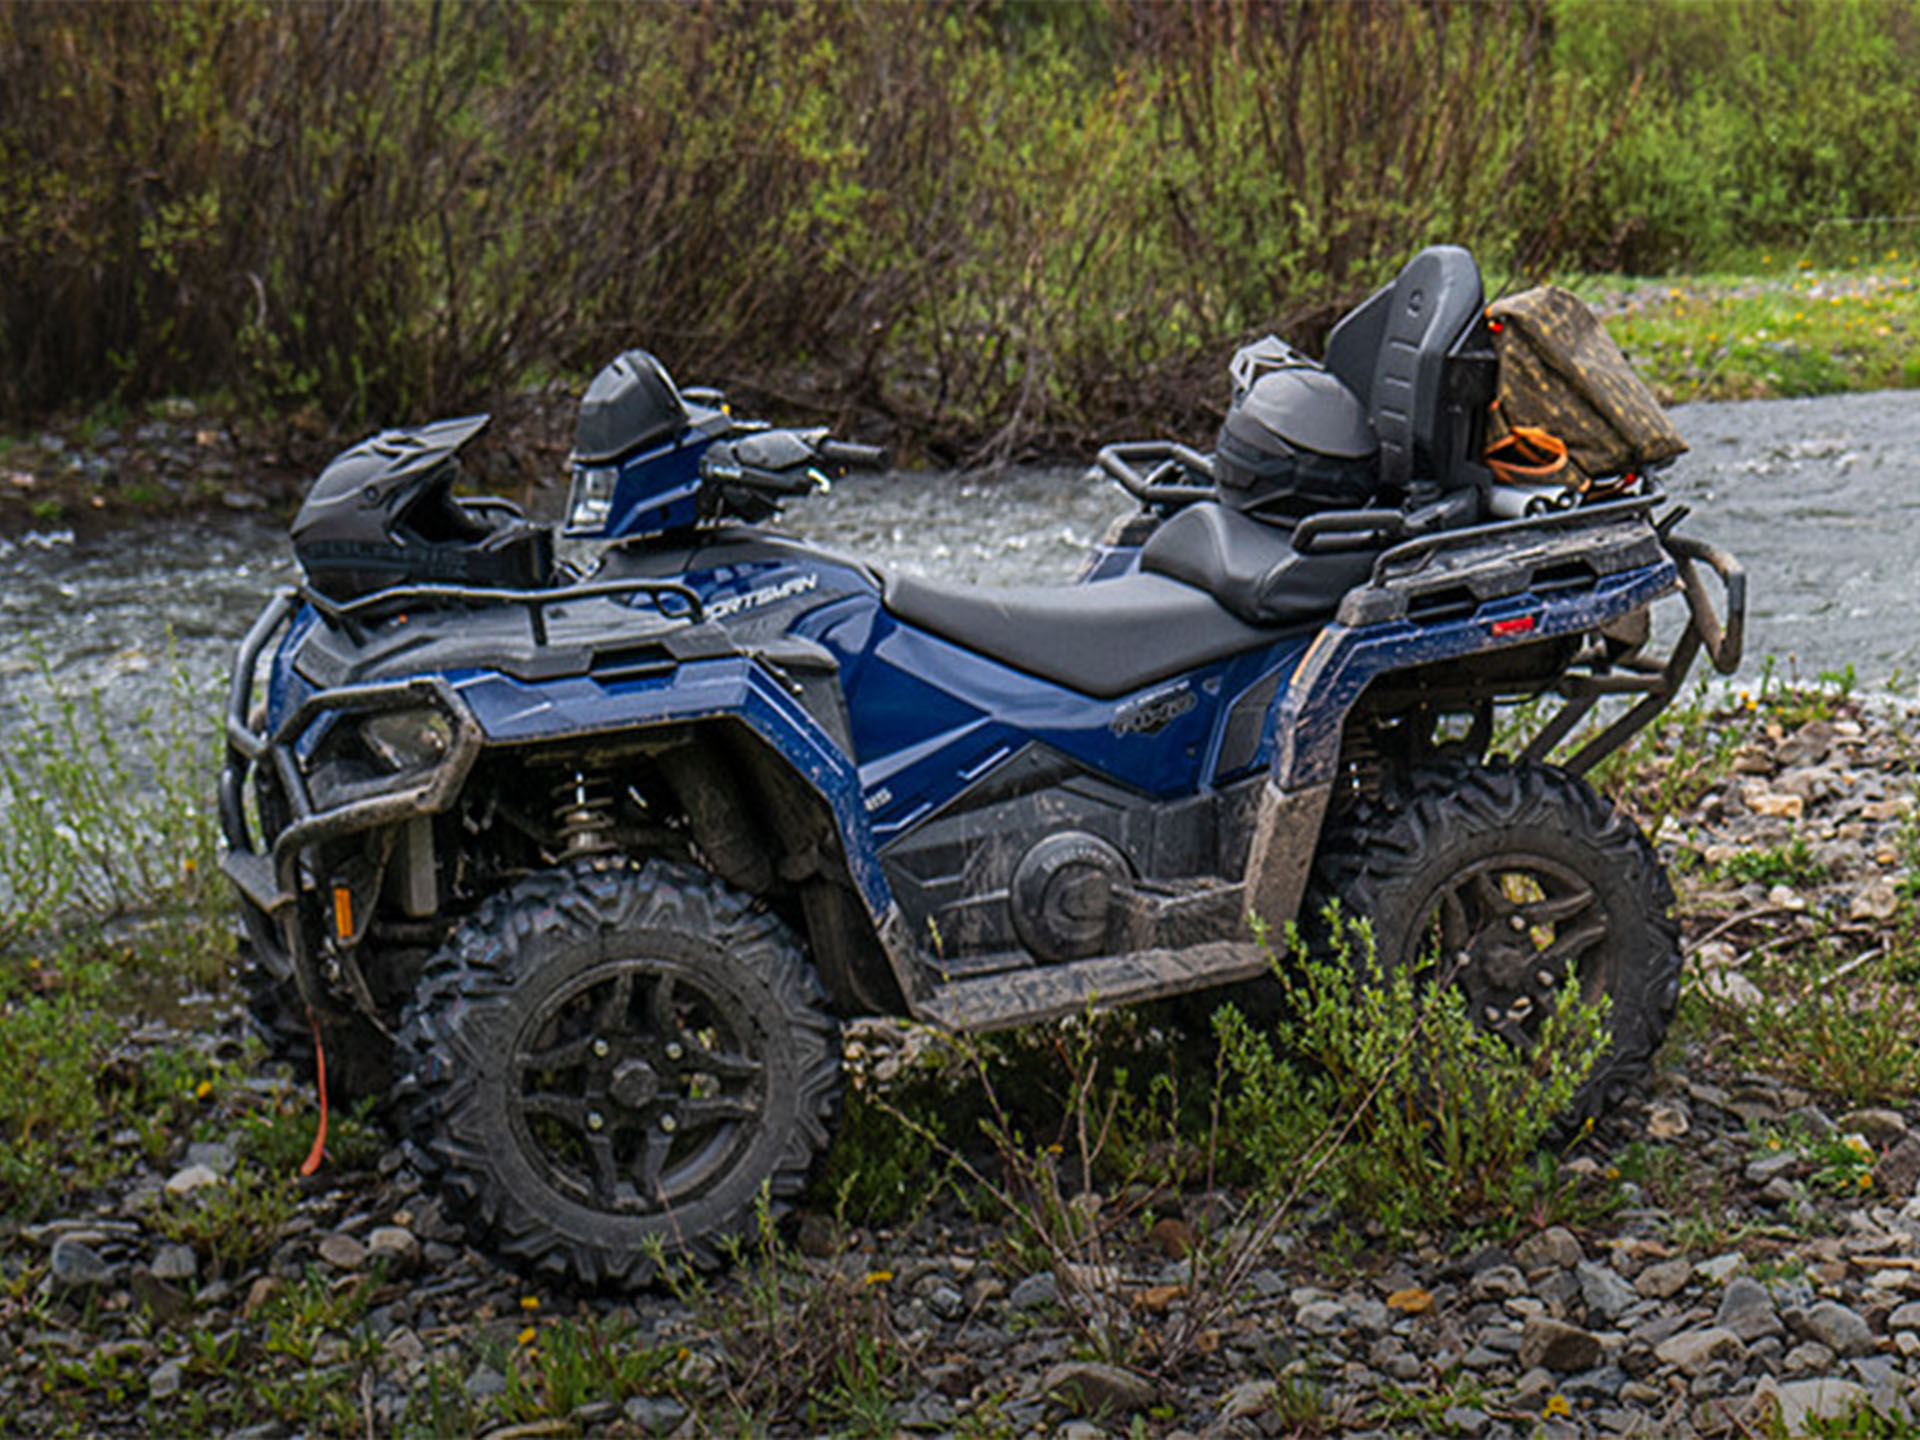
pixel 1529 456
pixel 319 1150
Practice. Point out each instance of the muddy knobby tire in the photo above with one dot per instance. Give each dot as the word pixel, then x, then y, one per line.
pixel 1527 871
pixel 609 1064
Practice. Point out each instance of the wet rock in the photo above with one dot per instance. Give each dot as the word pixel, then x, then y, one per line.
pixel 1554 1345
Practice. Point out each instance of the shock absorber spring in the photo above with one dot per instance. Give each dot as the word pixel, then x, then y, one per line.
pixel 582 816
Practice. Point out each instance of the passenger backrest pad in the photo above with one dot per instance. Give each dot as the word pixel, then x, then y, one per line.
pixel 1392 353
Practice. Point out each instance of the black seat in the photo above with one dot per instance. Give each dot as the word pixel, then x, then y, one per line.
pixel 1250 566
pixel 1411 352
pixel 1104 638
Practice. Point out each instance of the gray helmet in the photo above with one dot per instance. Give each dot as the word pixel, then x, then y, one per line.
pixel 384 513
pixel 1296 441
pixel 631 404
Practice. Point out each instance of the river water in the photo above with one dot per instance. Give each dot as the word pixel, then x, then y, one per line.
pixel 1820 499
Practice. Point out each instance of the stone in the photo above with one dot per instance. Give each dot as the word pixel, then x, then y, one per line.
pixel 175 1262
pixel 166 1380
pixel 1663 1279
pixel 1907 1317
pixel 946 1302
pixel 485 1383
pixel 1794 1404
pixel 1877 900
pixel 1810 1356
pixel 75 1264
pixel 1093 1389
pixel 1695 1350
pixel 1721 1268
pixel 1898 1171
pixel 1602 1289
pixel 654 1414
pixel 1322 1317
pixel 1835 1326
pixel 1746 1308
pixel 1498 1282
pixel 191 1178
pixel 1876 1125
pixel 1555 1345
pixel 395 1247
pixel 343 1252
pixel 216 1156
pixel 1174 1237
pixel 1462 1420
pixel 1036 1292
pixel 1247 1399
pixel 1555 1247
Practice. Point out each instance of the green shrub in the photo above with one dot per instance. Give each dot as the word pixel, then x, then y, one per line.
pixel 1432 1120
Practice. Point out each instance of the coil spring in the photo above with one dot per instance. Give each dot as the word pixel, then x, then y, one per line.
pixel 582 818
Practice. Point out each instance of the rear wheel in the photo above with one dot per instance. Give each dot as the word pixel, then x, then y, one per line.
pixel 608 1066
pixel 1518 875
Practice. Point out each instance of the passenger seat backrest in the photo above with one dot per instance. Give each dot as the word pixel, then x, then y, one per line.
pixel 1392 352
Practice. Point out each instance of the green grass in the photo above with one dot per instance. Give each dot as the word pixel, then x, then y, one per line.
pixel 1787 329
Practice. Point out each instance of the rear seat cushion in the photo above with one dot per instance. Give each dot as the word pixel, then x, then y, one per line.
pixel 1250 566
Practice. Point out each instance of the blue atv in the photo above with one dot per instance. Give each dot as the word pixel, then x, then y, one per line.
pixel 580 866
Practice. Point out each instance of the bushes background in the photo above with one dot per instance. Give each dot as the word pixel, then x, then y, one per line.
pixel 992 226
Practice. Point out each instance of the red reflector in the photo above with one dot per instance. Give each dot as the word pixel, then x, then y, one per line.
pixel 1519 625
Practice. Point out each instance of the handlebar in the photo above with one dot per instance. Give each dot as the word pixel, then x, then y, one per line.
pixel 851 455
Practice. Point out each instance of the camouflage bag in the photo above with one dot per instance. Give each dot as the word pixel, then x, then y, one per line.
pixel 1561 372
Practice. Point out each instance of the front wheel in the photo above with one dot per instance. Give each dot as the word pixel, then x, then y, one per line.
pixel 1518 875
pixel 608 1065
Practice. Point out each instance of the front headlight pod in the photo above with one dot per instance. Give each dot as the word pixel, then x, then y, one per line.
pixel 407 739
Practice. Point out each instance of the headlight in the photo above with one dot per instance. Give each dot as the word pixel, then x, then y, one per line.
pixel 408 739
pixel 591 502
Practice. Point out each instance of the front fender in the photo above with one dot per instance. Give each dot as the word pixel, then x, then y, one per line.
pixel 736 688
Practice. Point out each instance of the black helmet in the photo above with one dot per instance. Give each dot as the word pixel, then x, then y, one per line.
pixel 1296 441
pixel 630 404
pixel 384 514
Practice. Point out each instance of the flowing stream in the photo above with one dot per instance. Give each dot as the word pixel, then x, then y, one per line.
pixel 1819 498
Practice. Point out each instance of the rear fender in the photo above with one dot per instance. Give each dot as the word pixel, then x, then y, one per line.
pixel 1344 660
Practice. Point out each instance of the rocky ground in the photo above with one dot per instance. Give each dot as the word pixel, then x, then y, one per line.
pixel 1740 1255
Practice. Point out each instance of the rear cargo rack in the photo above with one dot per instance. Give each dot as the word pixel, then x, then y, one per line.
pixel 355 613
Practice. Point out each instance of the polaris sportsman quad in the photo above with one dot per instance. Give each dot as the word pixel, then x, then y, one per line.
pixel 584 869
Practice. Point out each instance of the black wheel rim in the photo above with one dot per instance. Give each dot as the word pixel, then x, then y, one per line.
pixel 1508 931
pixel 638 1087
